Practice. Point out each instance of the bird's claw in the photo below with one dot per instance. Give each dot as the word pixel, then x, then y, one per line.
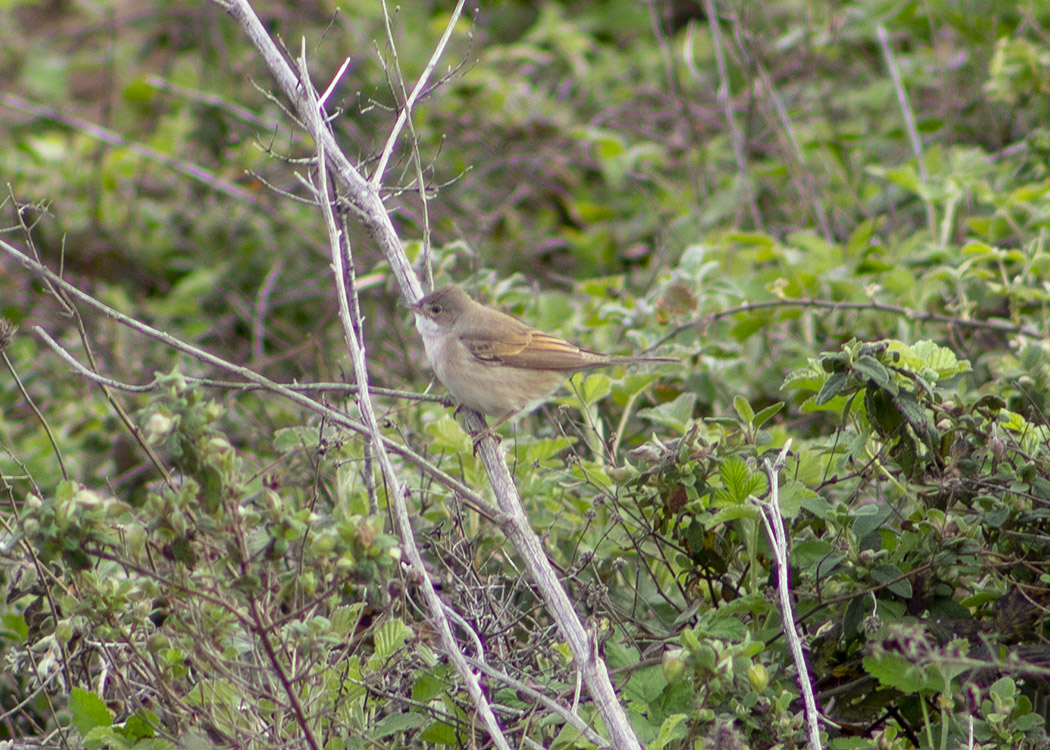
pixel 487 432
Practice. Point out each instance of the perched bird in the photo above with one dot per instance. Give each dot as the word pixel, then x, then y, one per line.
pixel 494 363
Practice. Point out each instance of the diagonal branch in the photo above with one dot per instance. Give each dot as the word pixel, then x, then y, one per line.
pixel 315 122
pixel 365 199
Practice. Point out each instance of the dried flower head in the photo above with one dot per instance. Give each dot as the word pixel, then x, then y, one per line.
pixel 7 333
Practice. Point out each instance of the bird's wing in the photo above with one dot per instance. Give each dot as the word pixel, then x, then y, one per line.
pixel 530 349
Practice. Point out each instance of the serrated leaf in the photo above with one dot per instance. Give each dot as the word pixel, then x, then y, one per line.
pixel 940 358
pixel 346 617
pixel 645 685
pixel 739 481
pixel 895 671
pixel 668 732
pixel 105 738
pixel 620 656
pixel 139 726
pixel 390 637
pixel 817 505
pixel 731 513
pixel 592 388
pixel 793 494
pixel 446 434
pixel 541 450
pixel 88 711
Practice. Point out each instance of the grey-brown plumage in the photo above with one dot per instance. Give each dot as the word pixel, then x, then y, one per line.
pixel 494 363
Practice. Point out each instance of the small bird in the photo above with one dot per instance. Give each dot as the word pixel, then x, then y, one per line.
pixel 494 363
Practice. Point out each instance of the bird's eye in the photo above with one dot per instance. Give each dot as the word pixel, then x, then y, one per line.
pixel 435 309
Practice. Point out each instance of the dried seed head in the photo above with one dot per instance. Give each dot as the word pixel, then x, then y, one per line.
pixel 7 333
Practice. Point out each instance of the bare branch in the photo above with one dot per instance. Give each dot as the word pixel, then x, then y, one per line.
pixel 315 122
pixel 778 541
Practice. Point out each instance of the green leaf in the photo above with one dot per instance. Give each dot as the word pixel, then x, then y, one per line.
pixel 739 481
pixel 428 687
pixel 885 573
pixel 832 387
pixel 293 438
pixel 875 372
pixel 346 617
pixel 592 388
pixel 817 505
pixel 439 733
pixel 390 637
pixel 917 418
pixel 879 406
pixel 677 414
pixel 857 609
pixel 768 413
pixel 1027 722
pixel 395 723
pixel 88 711
pixel 792 495
pixel 809 552
pixel 15 624
pixel 895 671
pixel 868 518
pixel 619 656
pixel 743 409
pixel 926 355
pixel 446 434
pixel 105 738
pixel 139 726
pixel 1004 688
pixel 669 732
pixel 731 513
pixel 645 686
pixel 633 383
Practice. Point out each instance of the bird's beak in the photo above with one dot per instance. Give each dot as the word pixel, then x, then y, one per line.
pixel 410 306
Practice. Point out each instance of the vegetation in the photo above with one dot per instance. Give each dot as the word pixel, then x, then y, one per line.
pixel 835 216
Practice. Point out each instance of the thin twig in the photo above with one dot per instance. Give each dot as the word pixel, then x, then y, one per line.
pixel 910 314
pixel 406 110
pixel 468 495
pixel 778 542
pixel 553 706
pixel 725 98
pixel 193 171
pixel 799 167
pixel 909 124
pixel 40 417
pixel 84 372
pixel 405 117
pixel 364 198
pixel 314 122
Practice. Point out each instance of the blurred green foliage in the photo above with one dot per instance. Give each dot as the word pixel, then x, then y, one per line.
pixel 871 287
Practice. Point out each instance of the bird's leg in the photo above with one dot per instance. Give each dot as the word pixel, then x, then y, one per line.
pixel 490 430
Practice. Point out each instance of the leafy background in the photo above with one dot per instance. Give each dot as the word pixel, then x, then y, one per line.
pixel 834 215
